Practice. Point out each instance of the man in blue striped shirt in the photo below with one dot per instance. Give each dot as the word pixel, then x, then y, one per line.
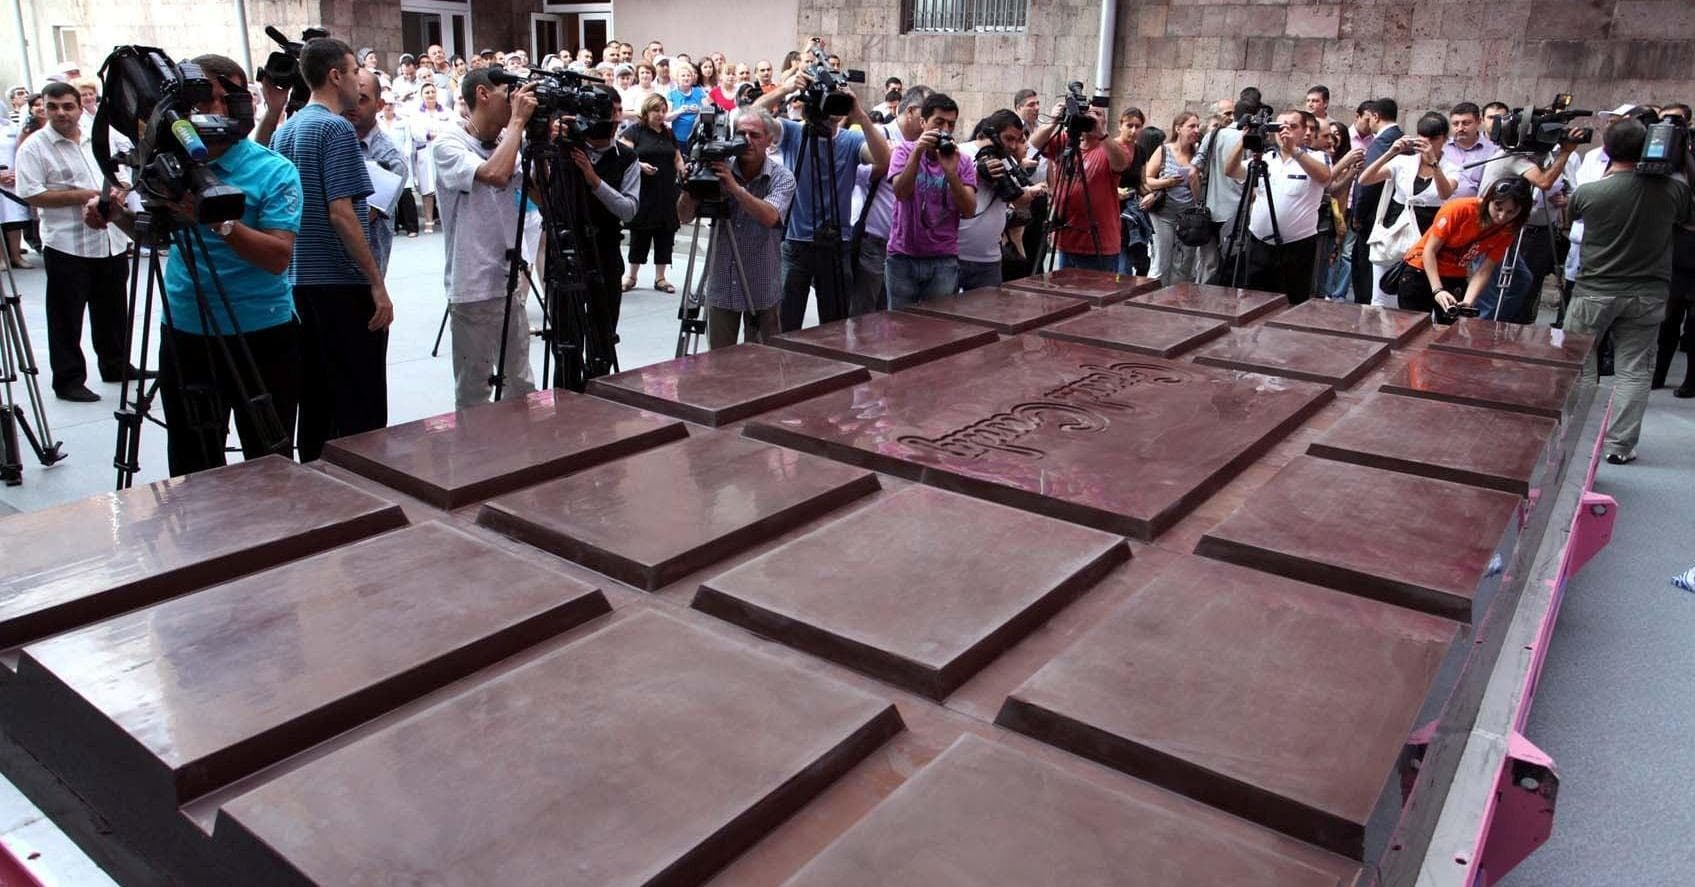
pixel 338 289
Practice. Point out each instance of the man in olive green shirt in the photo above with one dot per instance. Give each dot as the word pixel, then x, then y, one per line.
pixel 1624 274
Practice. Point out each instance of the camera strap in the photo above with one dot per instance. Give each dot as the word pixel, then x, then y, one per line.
pixel 1206 175
pixel 870 198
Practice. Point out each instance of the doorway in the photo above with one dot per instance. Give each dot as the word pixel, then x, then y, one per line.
pixel 425 23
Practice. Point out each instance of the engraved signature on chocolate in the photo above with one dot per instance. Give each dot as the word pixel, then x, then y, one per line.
pixel 1066 409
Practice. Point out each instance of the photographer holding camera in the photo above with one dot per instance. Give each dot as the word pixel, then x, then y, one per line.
pixel 249 260
pixel 825 159
pixel 338 289
pixel 933 190
pixel 997 148
pixel 1625 271
pixel 751 234
pixel 1281 254
pixel 1087 208
pixel 478 186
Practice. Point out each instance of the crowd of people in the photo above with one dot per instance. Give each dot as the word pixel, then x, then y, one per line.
pixel 861 206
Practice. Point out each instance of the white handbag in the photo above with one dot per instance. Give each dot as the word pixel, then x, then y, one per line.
pixel 1389 243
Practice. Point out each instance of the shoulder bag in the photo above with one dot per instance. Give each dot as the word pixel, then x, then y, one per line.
pixel 1194 224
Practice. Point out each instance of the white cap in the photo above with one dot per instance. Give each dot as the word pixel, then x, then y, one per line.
pixel 1619 111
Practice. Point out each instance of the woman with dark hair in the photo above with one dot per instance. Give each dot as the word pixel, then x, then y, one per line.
pixel 655 224
pixel 1456 257
pixel 1420 181
pixel 1138 228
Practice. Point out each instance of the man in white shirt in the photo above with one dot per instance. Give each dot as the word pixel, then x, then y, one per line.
pixel 87 268
pixel 1001 133
pixel 908 125
pixel 478 189
pixel 1280 259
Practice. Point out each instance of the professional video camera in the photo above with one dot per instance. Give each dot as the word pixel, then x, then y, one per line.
pixel 1011 185
pixel 747 94
pixel 1667 148
pixel 1256 127
pixel 707 146
pixel 1540 130
pixel 282 69
pixel 1077 121
pixel 829 95
pixel 152 100
pixel 587 100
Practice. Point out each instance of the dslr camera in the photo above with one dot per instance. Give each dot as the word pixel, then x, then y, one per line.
pixel 1011 184
pixel 708 146
pixel 1667 148
pixel 1257 128
pixel 1539 130
pixel 829 94
pixel 282 69
pixel 1076 120
pixel 587 100
pixel 147 94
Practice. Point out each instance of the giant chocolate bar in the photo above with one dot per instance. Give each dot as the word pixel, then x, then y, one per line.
pixel 1371 322
pixel 728 384
pixel 1294 354
pixel 887 341
pixel 1238 306
pixel 1005 311
pixel 1099 288
pixel 1447 441
pixel 1126 328
pixel 1515 341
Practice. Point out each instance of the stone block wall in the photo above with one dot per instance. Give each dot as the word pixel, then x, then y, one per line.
pixel 1174 55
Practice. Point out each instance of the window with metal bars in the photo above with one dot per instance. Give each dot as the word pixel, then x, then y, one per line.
pixel 963 16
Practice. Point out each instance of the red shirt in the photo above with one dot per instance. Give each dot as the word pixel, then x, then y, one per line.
pixel 1460 226
pixel 720 99
pixel 1100 184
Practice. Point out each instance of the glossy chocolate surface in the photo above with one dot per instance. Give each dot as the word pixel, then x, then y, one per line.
pixel 1447 441
pixel 1003 310
pixel 1528 342
pixel 657 515
pixel 1203 682
pixel 647 752
pixel 729 384
pixel 219 684
pixel 1372 322
pixel 1412 541
pixel 1535 389
pixel 1098 288
pixel 1124 444
pixel 74 564
pixel 1294 354
pixel 1125 328
pixel 887 341
pixel 471 454
pixel 1238 306
pixel 986 814
pixel 921 588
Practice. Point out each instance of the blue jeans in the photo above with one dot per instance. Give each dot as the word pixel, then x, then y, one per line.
pixel 976 275
pixel 1087 262
pixel 910 279
pixel 1339 281
pixel 1517 292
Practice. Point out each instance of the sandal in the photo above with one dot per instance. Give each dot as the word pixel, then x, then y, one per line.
pixel 664 286
pixel 629 284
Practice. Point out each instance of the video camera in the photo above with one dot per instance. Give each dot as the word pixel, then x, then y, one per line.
pixel 1540 130
pixel 1667 148
pixel 1257 126
pixel 708 146
pixel 828 96
pixel 152 99
pixel 1077 121
pixel 587 100
pixel 282 69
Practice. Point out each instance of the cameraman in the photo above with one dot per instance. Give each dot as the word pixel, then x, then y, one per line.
pixel 1087 210
pixel 338 289
pixel 933 190
pixel 760 191
pixel 478 186
pixel 1535 259
pixel 613 175
pixel 1624 273
pixel 1280 259
pixel 998 137
pixel 249 259
pixel 810 260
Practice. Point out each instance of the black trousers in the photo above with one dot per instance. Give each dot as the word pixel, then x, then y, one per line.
pixel 807 265
pixel 406 213
pixel 101 287
pixel 660 239
pixel 1285 268
pixel 198 390
pixel 1364 277
pixel 1416 295
pixel 344 368
pixel 1679 327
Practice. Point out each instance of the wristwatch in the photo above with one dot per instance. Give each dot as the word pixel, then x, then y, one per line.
pixel 224 228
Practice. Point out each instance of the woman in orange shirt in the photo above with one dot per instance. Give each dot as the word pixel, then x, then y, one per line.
pixel 1462 247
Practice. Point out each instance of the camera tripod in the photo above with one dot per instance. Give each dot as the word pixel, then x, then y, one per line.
pixel 17 364
pixel 1504 277
pixel 827 231
pixel 693 299
pixel 1071 173
pixel 1259 172
pixel 202 404
pixel 577 323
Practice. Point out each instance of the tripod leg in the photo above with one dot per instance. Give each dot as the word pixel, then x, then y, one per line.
pixel 435 350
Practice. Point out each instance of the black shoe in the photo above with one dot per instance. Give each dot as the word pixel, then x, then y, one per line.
pixel 1685 392
pixel 79 394
pixel 1621 458
pixel 131 372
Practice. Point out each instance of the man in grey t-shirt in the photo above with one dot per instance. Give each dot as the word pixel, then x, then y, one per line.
pixel 477 188
pixel 1223 193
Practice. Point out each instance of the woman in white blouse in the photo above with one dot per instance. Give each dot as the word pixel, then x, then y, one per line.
pixel 430 119
pixel 14 216
pixel 1420 181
